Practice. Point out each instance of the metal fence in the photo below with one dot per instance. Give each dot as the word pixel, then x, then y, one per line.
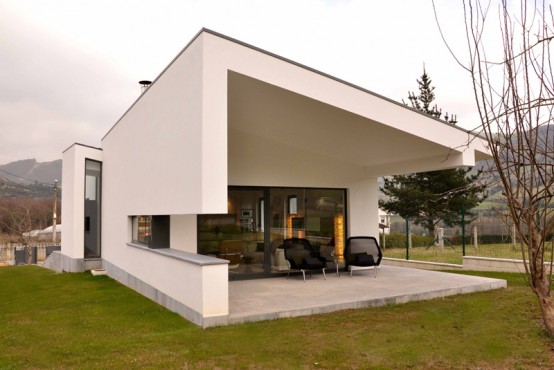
pixel 454 253
pixel 452 249
pixel 15 253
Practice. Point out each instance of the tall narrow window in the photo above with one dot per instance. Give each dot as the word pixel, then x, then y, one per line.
pixel 93 182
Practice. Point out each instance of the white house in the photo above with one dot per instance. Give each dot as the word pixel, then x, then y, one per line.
pixel 229 151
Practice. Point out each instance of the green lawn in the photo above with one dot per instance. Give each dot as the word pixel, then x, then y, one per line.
pixel 53 320
pixel 454 254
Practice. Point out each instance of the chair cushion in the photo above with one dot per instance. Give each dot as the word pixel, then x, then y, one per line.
pixel 363 259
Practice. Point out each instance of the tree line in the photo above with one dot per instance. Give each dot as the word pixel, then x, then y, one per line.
pixel 22 215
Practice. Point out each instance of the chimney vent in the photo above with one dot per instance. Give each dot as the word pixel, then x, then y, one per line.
pixel 144 85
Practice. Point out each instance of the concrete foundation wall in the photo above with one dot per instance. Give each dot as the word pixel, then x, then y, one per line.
pixel 59 262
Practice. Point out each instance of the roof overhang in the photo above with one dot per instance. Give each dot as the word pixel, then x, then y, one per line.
pixel 227 113
pixel 381 147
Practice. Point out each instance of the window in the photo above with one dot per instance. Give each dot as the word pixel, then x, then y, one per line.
pixel 293 205
pixel 152 231
pixel 258 219
pixel 93 187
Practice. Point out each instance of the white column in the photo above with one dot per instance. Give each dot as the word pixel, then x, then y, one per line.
pixel 363 213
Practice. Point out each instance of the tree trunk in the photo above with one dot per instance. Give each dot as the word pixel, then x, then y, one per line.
pixel 29 253
pixel 546 304
pixel 540 277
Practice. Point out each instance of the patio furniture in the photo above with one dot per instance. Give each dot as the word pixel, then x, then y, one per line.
pixel 280 263
pixel 302 256
pixel 230 250
pixel 362 253
pixel 328 252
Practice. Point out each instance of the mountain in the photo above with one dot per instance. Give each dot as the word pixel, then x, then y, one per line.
pixel 31 172
pixel 11 190
pixel 29 179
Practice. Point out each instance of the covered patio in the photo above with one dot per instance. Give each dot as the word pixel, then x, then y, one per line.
pixel 273 298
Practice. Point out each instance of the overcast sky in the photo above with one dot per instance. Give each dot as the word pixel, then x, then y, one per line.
pixel 70 69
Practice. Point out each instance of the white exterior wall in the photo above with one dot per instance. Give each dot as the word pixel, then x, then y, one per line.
pixel 168 156
pixel 154 158
pixel 183 233
pixel 165 150
pixel 73 198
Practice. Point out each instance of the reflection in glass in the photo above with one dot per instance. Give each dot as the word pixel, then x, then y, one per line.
pixel 93 176
pixel 251 239
pixel 237 236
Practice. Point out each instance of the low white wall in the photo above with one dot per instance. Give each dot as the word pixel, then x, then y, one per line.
pixel 470 263
pixel 422 265
pixel 198 282
pixel 493 264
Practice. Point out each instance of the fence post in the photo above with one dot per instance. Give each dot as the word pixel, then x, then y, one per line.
pixel 408 239
pixel 440 238
pixel 10 253
pixel 475 239
pixel 514 236
pixel 463 231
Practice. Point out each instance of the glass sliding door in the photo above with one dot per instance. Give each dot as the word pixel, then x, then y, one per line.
pixel 317 215
pixel 251 233
pixel 238 235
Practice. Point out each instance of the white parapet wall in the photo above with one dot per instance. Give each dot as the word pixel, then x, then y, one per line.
pixel 192 285
pixel 422 265
pixel 493 264
pixel 470 263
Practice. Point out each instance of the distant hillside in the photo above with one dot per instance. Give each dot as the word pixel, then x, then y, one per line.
pixel 31 172
pixel 29 179
pixel 11 190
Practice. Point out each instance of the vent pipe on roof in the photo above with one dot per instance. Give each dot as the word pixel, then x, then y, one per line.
pixel 144 85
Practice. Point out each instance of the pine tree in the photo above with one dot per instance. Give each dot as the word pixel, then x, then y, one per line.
pixel 428 198
pixel 422 102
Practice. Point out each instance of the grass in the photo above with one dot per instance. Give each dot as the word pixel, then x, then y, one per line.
pixel 454 255
pixel 78 321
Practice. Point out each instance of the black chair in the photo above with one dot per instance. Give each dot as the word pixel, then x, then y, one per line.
pixel 362 253
pixel 302 256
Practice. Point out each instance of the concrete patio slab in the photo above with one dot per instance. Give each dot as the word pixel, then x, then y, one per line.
pixel 273 298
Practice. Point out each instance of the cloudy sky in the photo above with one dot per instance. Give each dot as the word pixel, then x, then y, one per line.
pixel 70 68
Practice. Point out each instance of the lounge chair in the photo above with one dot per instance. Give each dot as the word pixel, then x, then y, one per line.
pixel 362 253
pixel 302 256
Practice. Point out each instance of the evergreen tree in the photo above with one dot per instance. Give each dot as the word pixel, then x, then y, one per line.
pixel 422 102
pixel 430 197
